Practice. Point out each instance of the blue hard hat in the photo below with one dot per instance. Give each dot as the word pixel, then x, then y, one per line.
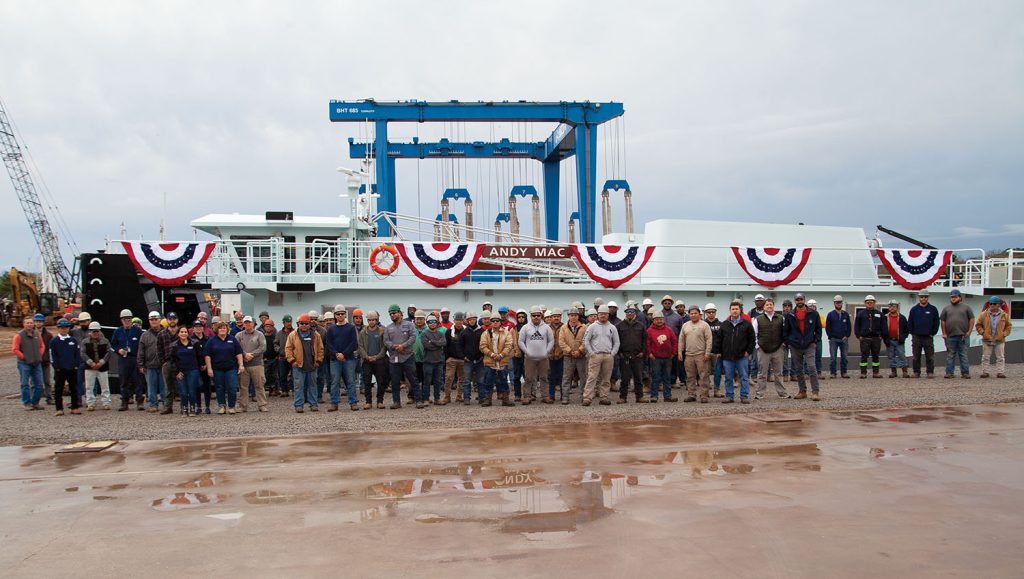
pixel 40 318
pixel 62 323
pixel 503 309
pixel 994 300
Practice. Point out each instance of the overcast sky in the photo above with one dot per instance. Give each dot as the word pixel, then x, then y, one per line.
pixel 907 114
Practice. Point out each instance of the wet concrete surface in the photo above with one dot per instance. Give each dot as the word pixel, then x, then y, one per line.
pixel 925 491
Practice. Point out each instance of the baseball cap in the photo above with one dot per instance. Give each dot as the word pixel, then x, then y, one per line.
pixel 799 297
pixel 198 323
pixel 172 316
pixel 286 318
pixel 954 292
pixel 247 319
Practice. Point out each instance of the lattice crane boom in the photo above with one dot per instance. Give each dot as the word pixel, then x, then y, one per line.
pixel 24 187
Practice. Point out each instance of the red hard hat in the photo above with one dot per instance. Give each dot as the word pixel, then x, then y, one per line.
pixel 304 318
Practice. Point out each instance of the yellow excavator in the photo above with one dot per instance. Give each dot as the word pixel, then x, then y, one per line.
pixel 28 300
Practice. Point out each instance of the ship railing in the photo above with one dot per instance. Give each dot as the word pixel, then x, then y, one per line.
pixel 334 261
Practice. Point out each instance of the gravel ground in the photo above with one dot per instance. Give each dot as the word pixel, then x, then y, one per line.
pixel 19 427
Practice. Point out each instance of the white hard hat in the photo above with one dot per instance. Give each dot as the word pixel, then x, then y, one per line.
pixel 758 297
pixel 869 298
pixel 602 310
pixel 548 313
pixel 837 298
pixel 339 308
pixel 648 302
pixel 126 313
pixel 812 302
pixel 154 315
pixel 314 315
pixel 85 317
pixel 710 306
pixel 612 304
pixel 591 312
pixel 678 303
pixel 598 301
pixel 94 326
pixel 556 312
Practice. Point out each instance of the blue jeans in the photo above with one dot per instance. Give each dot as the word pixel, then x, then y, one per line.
pixel 718 371
pixel 555 370
pixel 284 371
pixel 408 370
pixel 226 382
pixel 493 378
pixel 323 379
pixel 474 374
pixel 731 367
pixel 661 377
pixel 514 374
pixel 840 347
pixel 432 380
pixel 344 370
pixel 33 373
pixel 897 354
pixel 188 387
pixel 956 348
pixel 306 388
pixel 156 390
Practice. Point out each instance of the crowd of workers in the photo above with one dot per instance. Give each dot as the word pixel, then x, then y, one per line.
pixel 499 356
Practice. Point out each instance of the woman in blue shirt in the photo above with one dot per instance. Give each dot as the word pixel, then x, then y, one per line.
pixel 199 339
pixel 185 366
pixel 224 364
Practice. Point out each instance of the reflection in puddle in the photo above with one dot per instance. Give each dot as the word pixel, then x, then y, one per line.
pixel 180 501
pixel 268 497
pixel 207 479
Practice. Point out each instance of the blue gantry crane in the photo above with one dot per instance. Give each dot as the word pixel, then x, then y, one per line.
pixel 576 135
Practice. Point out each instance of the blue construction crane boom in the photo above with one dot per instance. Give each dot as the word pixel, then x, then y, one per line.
pixel 576 135
pixel 24 187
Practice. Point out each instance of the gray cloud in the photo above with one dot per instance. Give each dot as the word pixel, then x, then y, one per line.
pixel 907 114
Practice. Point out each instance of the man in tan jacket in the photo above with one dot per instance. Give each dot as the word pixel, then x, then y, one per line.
pixel 570 341
pixel 496 347
pixel 993 326
pixel 694 352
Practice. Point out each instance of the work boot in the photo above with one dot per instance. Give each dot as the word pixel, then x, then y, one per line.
pixel 124 404
pixel 876 374
pixel 815 397
pixel 332 408
pixel 527 400
pixel 863 374
pixel 139 405
pixel 167 410
pixel 505 401
pixel 690 399
pixel 447 399
pixel 354 407
pixel 718 393
pixel 621 401
pixel 800 395
pixel 906 374
pixel 485 402
pixel 703 399
pixel 892 372
pixel 606 402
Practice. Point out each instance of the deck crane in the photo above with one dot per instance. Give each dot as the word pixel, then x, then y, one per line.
pixel 46 239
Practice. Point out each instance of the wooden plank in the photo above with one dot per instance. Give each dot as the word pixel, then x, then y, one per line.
pixel 93 446
pixel 776 418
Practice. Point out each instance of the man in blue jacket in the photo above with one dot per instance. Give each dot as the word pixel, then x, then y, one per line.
pixel 341 344
pixel 125 343
pixel 923 324
pixel 66 356
pixel 838 329
pixel 801 330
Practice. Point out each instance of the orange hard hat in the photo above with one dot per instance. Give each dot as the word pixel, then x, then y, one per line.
pixel 357 312
pixel 304 318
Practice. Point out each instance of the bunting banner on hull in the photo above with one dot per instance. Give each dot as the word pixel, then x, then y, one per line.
pixel 168 263
pixel 772 266
pixel 915 269
pixel 612 265
pixel 440 264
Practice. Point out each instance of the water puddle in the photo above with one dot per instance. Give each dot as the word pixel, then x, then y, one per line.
pixel 185 500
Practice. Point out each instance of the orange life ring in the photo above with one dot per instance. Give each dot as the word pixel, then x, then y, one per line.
pixel 377 268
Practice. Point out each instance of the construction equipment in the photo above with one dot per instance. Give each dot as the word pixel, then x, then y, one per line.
pixel 46 239
pixel 575 135
pixel 28 300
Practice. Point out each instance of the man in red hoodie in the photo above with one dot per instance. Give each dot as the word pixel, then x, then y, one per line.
pixel 661 350
pixel 28 346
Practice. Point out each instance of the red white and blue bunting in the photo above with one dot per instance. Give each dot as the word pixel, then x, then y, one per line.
pixel 772 266
pixel 168 264
pixel 915 269
pixel 440 264
pixel 612 265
